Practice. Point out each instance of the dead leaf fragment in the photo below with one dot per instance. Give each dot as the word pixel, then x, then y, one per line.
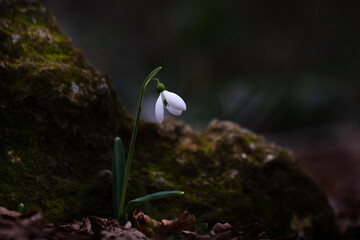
pixel 145 224
pixel 221 227
pixel 127 225
pixel 4 211
pixel 152 228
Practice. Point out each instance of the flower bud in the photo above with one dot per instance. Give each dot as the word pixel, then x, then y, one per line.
pixel 21 208
pixel 160 87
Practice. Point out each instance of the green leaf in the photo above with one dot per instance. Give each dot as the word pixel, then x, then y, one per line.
pixel 133 204
pixel 118 169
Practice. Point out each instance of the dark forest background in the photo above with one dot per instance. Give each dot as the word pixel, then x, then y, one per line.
pixel 286 69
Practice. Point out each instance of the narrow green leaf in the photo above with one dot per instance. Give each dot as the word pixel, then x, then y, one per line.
pixel 154 196
pixel 157 195
pixel 118 169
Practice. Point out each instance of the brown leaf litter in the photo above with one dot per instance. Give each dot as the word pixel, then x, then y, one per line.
pixel 32 225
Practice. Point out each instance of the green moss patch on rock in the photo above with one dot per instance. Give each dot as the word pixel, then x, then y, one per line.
pixel 59 117
pixel 230 174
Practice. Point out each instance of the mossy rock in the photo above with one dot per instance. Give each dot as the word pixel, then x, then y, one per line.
pixel 59 117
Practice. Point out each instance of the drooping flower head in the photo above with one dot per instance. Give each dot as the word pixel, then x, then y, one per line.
pixel 169 100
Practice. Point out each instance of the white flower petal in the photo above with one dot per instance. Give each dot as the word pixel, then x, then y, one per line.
pixel 159 110
pixel 174 111
pixel 174 100
pixel 162 97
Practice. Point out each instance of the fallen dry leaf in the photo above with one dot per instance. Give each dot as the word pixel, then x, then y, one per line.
pixel 152 228
pixel 145 224
pixel 4 211
pixel 221 227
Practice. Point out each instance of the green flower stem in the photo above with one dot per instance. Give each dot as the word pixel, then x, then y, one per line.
pixel 133 136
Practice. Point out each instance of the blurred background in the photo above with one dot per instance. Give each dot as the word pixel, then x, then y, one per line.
pixel 289 70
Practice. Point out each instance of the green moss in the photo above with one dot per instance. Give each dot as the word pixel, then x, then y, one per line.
pixel 38 67
pixel 221 186
pixel 22 20
pixel 60 38
pixel 57 207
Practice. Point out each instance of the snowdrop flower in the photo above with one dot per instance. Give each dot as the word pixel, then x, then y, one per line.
pixel 169 100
